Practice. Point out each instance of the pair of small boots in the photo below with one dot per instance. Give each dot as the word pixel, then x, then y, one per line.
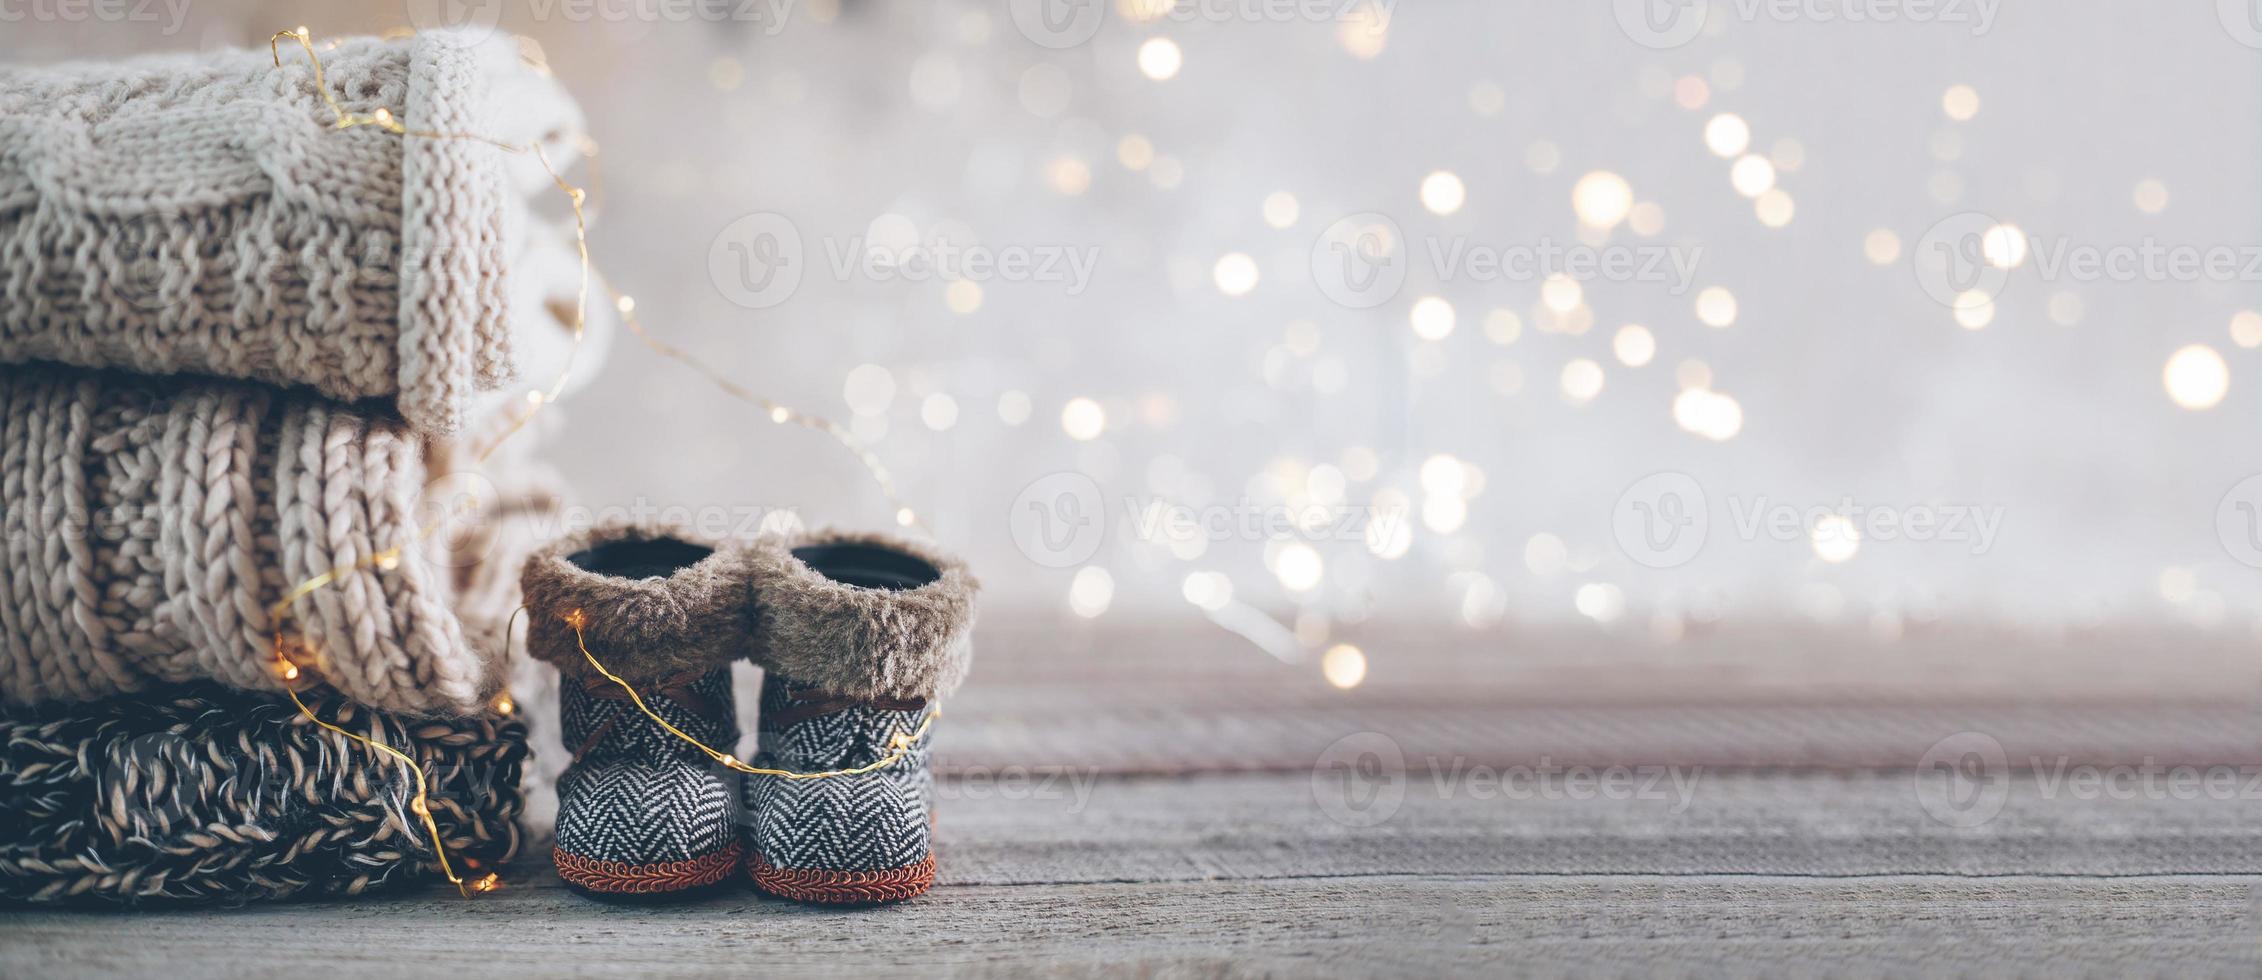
pixel 858 635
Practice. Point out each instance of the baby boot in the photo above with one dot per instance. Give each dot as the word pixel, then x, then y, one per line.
pixel 859 636
pixel 640 811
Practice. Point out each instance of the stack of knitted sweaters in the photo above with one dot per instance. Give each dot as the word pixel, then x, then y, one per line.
pixel 241 347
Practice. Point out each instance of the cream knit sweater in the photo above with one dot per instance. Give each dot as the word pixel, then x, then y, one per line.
pixel 199 214
pixel 148 524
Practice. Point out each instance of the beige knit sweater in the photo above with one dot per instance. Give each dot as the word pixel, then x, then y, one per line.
pixel 199 214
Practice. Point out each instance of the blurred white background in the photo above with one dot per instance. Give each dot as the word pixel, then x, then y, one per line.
pixel 1196 157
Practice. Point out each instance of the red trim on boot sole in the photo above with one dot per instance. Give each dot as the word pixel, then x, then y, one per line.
pixel 842 887
pixel 623 878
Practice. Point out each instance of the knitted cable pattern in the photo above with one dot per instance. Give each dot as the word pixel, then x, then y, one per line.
pixel 199 214
pixel 211 795
pixel 148 524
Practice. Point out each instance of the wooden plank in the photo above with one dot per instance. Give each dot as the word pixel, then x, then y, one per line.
pixel 1391 926
pixel 1033 659
pixel 1254 873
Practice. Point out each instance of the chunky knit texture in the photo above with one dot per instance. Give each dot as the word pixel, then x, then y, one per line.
pixel 199 214
pixel 210 795
pixel 147 524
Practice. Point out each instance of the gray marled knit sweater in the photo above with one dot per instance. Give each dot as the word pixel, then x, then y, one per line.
pixel 199 214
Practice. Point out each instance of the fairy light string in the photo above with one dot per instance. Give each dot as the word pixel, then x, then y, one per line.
pixel 389 558
pixel 776 411
pixel 899 745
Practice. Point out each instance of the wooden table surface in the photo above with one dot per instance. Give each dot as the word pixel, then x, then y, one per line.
pixel 1170 802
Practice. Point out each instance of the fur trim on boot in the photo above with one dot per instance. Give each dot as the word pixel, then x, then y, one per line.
pixel 657 603
pixel 862 616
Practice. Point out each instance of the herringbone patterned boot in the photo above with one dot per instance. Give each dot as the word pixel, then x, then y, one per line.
pixel 860 635
pixel 640 811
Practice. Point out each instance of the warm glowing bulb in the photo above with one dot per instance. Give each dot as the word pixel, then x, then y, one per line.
pixel 1881 246
pixel 1836 538
pixel 1432 318
pixel 1091 591
pixel 1975 309
pixel 2004 246
pixel 1960 102
pixel 2151 196
pixel 1561 293
pixel 1280 209
pixel 1344 666
pixel 1775 208
pixel 1601 199
pixel 1235 274
pixel 1083 419
pixel 1582 380
pixel 1727 135
pixel 1298 567
pixel 1716 307
pixel 2196 377
pixel 1160 59
pixel 1752 175
pixel 1443 192
pixel 1634 345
